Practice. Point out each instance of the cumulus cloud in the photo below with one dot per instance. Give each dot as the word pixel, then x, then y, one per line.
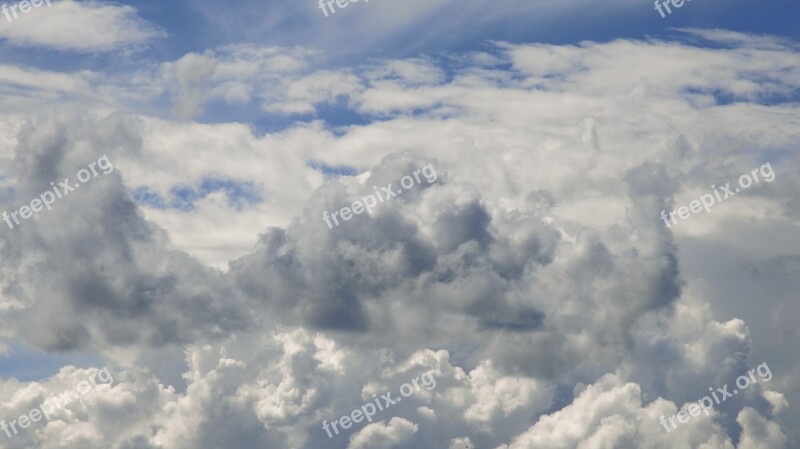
pixel 611 414
pixel 759 432
pixel 125 274
pixel 379 436
pixel 533 277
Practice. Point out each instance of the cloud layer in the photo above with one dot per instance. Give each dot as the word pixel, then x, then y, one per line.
pixel 534 277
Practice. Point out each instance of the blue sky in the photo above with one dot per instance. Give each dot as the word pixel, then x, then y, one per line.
pixel 194 26
pixel 193 31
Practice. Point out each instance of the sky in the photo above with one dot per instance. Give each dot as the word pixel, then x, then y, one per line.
pixel 553 224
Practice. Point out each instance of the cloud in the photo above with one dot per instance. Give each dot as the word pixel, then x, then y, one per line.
pixel 380 436
pixel 610 414
pixel 193 72
pixel 86 27
pixel 759 432
pixel 118 288
pixel 533 277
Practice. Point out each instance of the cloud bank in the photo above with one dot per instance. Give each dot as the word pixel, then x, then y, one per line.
pixel 534 278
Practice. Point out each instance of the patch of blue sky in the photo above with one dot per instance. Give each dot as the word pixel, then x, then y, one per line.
pixel 7 194
pixel 29 364
pixel 239 194
pixel 770 98
pixel 336 117
pixel 340 114
pixel 775 156
pixel 334 172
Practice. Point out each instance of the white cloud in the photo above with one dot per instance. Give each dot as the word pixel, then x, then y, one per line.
pixel 383 436
pixel 610 414
pixel 87 26
pixel 193 72
pixel 534 278
pixel 758 432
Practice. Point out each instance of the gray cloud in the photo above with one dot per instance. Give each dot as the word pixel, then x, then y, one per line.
pixel 534 277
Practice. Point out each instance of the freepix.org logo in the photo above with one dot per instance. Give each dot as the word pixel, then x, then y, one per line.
pixel 61 190
pixel 706 403
pixel 326 5
pixel 663 5
pixel 56 403
pixel 368 410
pixel 721 194
pixel 24 8
pixel 385 193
